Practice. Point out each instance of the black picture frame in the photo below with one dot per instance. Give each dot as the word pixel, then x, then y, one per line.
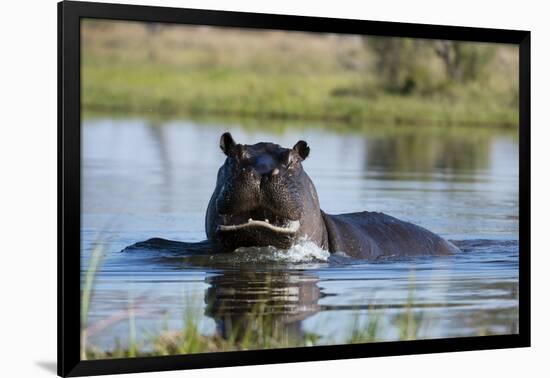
pixel 69 194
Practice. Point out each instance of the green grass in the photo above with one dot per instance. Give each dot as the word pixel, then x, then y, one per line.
pixel 95 262
pixel 156 89
pixel 265 335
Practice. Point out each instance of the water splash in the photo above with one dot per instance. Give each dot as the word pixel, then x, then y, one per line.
pixel 304 251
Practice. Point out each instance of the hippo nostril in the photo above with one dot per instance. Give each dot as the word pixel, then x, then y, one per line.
pixel 275 172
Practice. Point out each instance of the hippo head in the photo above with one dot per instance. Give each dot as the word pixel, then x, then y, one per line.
pixel 263 197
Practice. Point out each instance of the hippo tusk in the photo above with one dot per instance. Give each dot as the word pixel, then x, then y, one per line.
pixel 290 228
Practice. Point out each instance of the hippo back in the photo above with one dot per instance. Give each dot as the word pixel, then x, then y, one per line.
pixel 373 235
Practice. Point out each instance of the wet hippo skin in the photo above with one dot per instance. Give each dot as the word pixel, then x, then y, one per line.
pixel 264 197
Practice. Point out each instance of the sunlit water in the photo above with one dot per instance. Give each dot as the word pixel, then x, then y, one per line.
pixel 145 179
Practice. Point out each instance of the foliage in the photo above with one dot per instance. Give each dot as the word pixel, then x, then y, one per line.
pixel 407 65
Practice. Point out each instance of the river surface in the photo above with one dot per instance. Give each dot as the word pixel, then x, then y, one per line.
pixel 143 179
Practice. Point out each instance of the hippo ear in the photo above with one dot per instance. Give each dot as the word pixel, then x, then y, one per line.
pixel 302 149
pixel 227 143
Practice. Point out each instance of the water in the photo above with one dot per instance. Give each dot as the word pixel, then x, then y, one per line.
pixel 144 179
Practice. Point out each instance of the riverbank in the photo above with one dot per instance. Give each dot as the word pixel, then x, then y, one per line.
pixel 168 92
pixel 183 71
pixel 261 332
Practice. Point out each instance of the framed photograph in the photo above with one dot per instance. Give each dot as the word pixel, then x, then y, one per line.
pixel 239 188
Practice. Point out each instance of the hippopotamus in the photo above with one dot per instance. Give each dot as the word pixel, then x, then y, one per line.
pixel 264 197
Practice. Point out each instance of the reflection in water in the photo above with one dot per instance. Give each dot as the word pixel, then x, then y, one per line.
pixel 242 301
pixel 158 136
pixel 422 152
